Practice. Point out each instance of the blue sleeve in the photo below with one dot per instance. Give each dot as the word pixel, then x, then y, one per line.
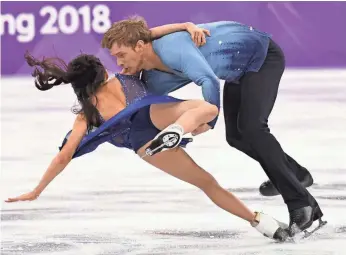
pixel 196 67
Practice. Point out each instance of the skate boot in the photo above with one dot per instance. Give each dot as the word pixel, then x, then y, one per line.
pixel 267 188
pixel 269 227
pixel 168 138
pixel 301 219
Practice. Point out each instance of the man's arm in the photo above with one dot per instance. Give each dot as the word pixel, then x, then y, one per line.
pixel 194 65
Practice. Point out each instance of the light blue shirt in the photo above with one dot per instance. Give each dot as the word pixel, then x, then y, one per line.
pixel 232 50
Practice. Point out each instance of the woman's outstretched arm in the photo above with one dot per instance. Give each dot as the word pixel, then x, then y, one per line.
pixel 198 35
pixel 60 161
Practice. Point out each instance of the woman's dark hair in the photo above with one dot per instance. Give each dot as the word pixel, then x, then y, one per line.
pixel 85 73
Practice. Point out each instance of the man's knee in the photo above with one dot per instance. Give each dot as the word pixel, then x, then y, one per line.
pixel 233 137
pixel 249 133
pixel 232 141
pixel 241 137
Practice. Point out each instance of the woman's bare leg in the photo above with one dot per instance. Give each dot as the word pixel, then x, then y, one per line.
pixel 180 165
pixel 188 114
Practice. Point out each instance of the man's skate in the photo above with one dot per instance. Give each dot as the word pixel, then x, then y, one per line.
pixel 269 227
pixel 301 219
pixel 167 139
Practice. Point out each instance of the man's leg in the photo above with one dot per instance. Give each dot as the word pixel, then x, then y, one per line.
pixel 231 106
pixel 303 175
pixel 258 94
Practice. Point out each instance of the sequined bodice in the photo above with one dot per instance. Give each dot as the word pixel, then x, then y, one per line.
pixel 134 88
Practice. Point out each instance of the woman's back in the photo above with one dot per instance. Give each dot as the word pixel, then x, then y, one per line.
pixel 110 99
pixel 119 92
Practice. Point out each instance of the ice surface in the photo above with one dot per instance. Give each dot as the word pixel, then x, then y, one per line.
pixel 110 202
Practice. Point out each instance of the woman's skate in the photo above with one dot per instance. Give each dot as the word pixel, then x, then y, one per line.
pixel 269 227
pixel 168 138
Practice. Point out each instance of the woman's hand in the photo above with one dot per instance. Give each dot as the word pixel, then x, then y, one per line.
pixel 24 197
pixel 198 35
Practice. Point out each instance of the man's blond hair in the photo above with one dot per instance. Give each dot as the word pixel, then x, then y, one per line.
pixel 127 32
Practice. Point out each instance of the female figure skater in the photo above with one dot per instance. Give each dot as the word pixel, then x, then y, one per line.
pixel 127 116
pixel 119 110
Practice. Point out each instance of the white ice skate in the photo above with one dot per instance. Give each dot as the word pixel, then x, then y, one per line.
pixel 270 227
pixel 168 138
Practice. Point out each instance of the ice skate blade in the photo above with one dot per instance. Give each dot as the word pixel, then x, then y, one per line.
pixel 307 233
pixel 303 235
